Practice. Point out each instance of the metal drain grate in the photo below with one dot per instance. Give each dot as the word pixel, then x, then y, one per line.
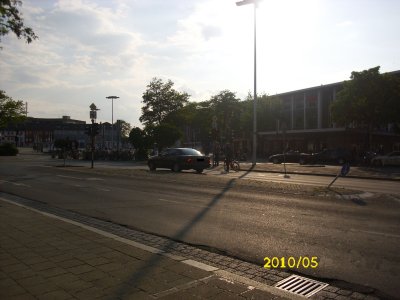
pixel 300 285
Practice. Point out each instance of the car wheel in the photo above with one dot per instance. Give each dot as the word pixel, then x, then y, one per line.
pixel 199 171
pixel 276 161
pixel 152 166
pixel 176 167
pixel 235 166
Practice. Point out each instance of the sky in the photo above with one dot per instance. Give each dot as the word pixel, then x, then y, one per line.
pixel 90 49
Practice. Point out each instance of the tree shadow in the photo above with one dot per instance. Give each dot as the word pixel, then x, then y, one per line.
pixel 356 199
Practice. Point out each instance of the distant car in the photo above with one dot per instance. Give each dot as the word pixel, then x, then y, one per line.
pixel 178 159
pixel 290 157
pixel 328 156
pixel 392 159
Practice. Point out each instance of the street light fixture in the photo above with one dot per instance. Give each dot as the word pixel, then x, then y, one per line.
pixel 255 3
pixel 112 119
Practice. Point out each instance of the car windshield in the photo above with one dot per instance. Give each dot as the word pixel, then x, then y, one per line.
pixel 188 151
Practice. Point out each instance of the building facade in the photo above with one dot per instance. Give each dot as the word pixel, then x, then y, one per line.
pixel 306 125
pixel 40 134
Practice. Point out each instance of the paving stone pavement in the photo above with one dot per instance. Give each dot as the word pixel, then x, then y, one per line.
pixel 42 257
pixel 51 253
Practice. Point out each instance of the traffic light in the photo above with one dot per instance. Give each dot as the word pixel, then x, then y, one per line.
pixel 96 129
pixel 88 130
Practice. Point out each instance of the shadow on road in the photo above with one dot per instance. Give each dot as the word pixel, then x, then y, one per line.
pixel 356 199
pixel 152 263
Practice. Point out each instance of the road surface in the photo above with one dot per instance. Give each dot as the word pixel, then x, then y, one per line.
pixel 355 239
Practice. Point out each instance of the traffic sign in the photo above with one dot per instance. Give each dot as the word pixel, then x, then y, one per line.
pixel 345 169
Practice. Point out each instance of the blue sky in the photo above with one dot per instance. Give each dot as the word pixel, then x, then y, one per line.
pixel 88 50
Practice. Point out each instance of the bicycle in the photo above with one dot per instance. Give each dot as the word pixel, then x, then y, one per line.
pixel 234 165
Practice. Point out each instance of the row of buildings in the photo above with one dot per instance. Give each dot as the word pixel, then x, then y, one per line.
pixel 306 126
pixel 40 134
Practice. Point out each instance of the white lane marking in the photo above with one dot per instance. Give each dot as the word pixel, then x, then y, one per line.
pixel 15 183
pixel 81 178
pixel 103 189
pixel 184 202
pixel 377 233
pixel 70 177
pixel 96 188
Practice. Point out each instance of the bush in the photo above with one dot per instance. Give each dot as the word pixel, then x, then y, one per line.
pixel 8 149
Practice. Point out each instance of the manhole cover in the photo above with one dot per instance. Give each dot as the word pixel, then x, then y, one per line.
pixel 300 285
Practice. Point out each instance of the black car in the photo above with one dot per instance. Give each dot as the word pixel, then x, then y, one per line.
pixel 178 159
pixel 290 157
pixel 328 156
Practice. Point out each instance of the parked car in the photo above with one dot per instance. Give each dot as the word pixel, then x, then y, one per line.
pixel 178 159
pixel 328 156
pixel 392 158
pixel 290 157
pixel 367 157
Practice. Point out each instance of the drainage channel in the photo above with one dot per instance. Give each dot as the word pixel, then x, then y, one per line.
pixel 301 285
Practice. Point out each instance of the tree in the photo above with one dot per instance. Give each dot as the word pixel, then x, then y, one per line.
pixel 369 100
pixel 195 115
pixel 140 141
pixel 227 110
pixel 159 100
pixel 11 20
pixel 11 111
pixel 165 135
pixel 125 128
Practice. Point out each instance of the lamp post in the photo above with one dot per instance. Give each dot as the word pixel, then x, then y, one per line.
pixel 112 118
pixel 255 2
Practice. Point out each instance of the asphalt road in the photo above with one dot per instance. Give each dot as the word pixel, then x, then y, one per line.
pixel 364 185
pixel 355 239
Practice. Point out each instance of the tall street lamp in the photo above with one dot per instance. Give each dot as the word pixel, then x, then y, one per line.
pixel 255 2
pixel 112 119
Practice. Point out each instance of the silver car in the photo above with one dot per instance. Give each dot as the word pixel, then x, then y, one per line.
pixel 392 159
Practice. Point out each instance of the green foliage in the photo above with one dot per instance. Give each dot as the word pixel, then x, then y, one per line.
pixel 8 149
pixel 226 108
pixel 11 111
pixel 160 99
pixel 141 141
pixel 11 20
pixel 138 138
pixel 125 128
pixel 369 99
pixel 269 112
pixel 165 135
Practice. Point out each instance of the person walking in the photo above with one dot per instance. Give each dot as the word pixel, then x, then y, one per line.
pixel 217 150
pixel 228 156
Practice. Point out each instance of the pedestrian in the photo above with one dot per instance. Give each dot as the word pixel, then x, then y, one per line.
pixel 228 156
pixel 217 150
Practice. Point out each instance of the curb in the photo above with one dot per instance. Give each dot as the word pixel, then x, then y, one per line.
pixel 189 262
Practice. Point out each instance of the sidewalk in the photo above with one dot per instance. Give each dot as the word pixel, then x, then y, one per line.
pixel 47 257
pixel 385 173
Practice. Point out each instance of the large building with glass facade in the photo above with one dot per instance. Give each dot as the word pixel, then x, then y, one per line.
pixel 306 125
